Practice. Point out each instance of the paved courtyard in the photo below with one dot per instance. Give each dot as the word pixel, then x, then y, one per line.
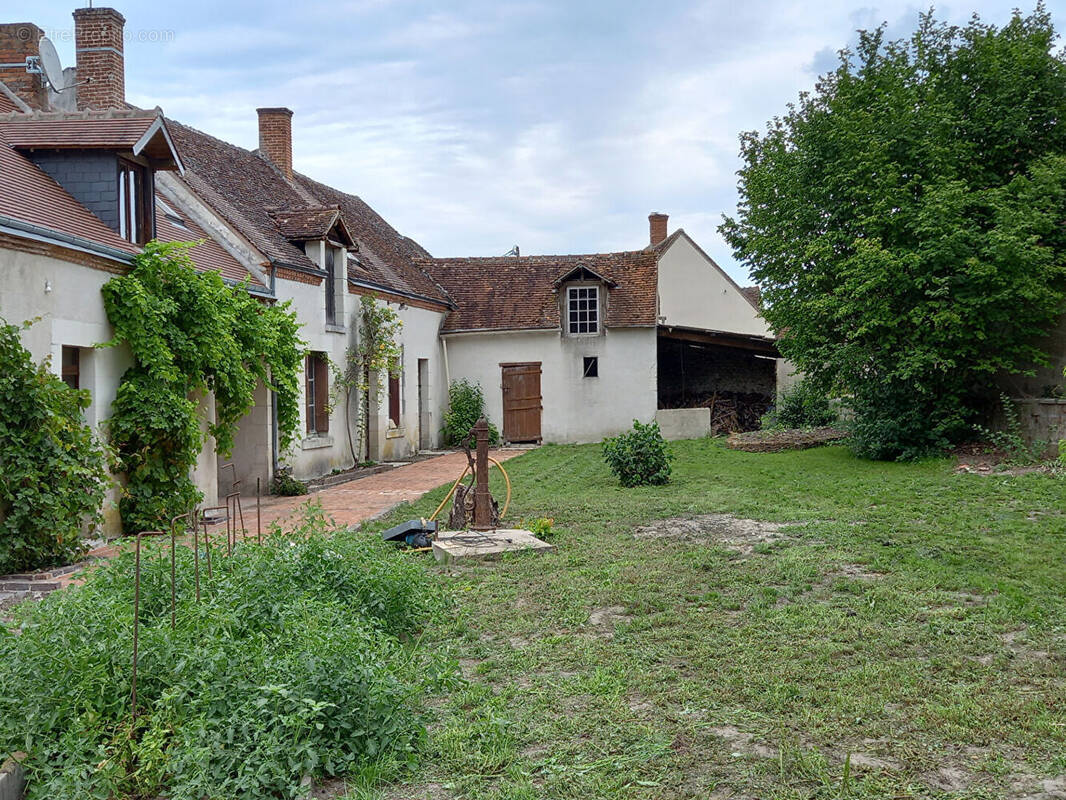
pixel 362 499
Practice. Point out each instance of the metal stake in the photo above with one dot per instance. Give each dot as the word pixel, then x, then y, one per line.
pixel 258 513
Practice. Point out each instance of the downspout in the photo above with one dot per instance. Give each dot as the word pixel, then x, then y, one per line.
pixel 447 372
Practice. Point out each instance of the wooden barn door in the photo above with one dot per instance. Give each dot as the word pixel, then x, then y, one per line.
pixel 521 402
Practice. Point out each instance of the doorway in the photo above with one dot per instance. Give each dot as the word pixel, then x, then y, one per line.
pixel 521 401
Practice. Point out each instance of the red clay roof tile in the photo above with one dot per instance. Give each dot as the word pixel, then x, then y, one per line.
pixel 515 293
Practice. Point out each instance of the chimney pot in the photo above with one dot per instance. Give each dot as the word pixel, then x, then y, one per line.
pixel 657 224
pixel 100 58
pixel 275 137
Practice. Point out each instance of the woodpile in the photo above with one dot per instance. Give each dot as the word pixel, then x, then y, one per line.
pixel 730 411
pixel 776 441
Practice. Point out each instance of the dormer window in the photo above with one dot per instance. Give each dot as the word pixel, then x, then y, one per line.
pixel 135 222
pixel 583 310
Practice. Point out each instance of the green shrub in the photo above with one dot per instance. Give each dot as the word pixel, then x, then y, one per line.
pixel 287 486
pixel 801 406
pixel 638 457
pixel 53 471
pixel 466 405
pixel 291 665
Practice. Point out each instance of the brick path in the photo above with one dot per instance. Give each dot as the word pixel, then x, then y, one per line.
pixel 359 500
pixel 347 503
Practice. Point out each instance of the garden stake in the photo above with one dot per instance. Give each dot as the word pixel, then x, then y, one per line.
pixel 233 501
pixel 173 576
pixel 196 556
pixel 137 618
pixel 207 550
pixel 258 514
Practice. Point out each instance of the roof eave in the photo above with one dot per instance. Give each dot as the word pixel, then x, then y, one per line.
pixel 29 230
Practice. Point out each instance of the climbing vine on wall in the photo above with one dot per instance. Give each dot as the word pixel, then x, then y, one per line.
pixel 190 334
pixel 376 349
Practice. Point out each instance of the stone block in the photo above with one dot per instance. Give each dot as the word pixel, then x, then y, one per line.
pixel 452 546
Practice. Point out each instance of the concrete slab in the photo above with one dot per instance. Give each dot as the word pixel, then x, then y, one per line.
pixel 452 546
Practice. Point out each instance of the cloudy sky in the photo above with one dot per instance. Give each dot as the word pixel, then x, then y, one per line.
pixel 475 125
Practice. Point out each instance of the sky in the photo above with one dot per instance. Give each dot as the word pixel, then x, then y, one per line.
pixel 476 125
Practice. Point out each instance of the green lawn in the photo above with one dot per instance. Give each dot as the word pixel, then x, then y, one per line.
pixel 910 617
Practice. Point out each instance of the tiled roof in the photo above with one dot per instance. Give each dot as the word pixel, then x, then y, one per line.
pixel 143 132
pixel 306 223
pixel 7 104
pixel 29 195
pixel 272 213
pixel 243 189
pixel 388 257
pixel 753 294
pixel 513 293
pixel 174 226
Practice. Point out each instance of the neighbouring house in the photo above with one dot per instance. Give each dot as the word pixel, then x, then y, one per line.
pixel 573 348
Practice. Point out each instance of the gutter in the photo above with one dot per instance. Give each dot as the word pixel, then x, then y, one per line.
pixel 400 293
pixel 28 230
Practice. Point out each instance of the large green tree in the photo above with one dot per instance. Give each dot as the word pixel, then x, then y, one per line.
pixel 905 221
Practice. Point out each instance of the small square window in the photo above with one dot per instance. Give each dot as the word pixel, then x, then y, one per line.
pixel 592 367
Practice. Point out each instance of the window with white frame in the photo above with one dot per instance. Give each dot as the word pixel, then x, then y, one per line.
pixel 583 309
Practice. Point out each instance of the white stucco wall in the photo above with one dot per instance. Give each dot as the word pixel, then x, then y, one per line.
pixel 575 409
pixel 420 340
pixel 72 313
pixel 694 293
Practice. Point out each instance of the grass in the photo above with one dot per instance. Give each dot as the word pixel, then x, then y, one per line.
pixel 904 638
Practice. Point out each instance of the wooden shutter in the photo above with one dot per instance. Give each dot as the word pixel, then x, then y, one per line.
pixel 321 393
pixel 394 399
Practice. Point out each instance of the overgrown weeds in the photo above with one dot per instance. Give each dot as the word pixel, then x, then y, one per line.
pixel 291 666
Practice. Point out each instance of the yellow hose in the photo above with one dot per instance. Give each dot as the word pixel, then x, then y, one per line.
pixel 448 496
pixel 507 478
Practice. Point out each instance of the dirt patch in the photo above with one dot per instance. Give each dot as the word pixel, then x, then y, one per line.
pixel 856 572
pixel 741 743
pixel 791 439
pixel 603 620
pixel 724 530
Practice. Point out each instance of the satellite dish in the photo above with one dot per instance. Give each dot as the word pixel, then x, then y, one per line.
pixel 50 65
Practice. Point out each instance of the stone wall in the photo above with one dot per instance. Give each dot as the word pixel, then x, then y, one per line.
pixel 1040 420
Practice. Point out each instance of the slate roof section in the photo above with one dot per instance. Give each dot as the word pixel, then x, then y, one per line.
pixel 208 255
pixel 508 293
pixel 272 213
pixel 29 195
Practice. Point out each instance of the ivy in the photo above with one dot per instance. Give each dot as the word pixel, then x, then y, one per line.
pixel 53 470
pixel 376 349
pixel 190 335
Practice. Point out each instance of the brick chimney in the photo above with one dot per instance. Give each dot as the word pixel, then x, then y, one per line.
pixel 101 63
pixel 17 41
pixel 657 224
pixel 275 137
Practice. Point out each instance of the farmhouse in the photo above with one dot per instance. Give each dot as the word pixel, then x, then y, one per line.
pixel 581 345
pixel 567 348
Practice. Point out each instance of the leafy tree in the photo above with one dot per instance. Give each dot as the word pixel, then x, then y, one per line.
pixel 905 222
pixel 376 349
pixel 190 334
pixel 53 470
